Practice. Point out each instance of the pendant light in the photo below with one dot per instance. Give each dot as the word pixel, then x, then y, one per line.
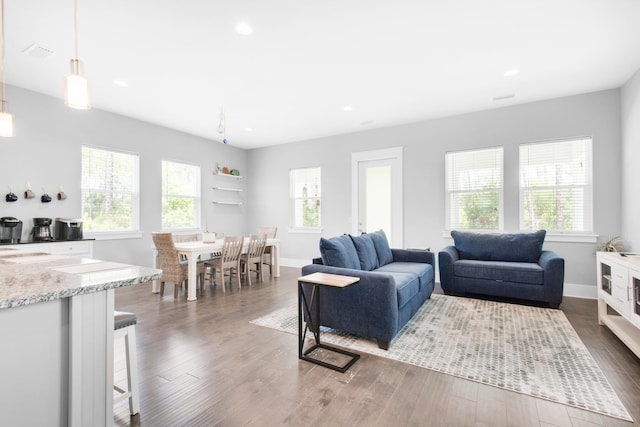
pixel 222 126
pixel 75 88
pixel 7 128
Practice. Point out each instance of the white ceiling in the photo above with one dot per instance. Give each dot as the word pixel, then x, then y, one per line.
pixel 393 62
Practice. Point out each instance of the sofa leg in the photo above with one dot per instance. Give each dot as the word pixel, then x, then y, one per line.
pixel 554 304
pixel 384 345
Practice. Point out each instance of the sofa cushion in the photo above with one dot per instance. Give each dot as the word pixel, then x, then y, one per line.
pixel 518 272
pixel 366 252
pixel 339 252
pixel 423 270
pixel 381 244
pixel 407 286
pixel 518 247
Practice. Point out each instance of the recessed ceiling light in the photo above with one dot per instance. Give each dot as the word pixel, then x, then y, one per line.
pixel 120 83
pixel 347 108
pixel 244 29
pixel 247 129
pixel 512 72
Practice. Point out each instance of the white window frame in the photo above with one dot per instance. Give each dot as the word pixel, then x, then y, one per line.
pixel 587 235
pixel 449 192
pixel 293 199
pixel 134 231
pixel 197 206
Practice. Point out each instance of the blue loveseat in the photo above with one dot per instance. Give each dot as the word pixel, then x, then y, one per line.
pixel 394 283
pixel 502 265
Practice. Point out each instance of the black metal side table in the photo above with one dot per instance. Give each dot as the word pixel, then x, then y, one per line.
pixel 316 280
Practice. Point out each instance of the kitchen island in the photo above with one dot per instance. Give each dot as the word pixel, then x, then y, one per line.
pixel 56 337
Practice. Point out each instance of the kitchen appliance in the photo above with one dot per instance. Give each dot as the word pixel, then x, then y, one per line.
pixel 41 229
pixel 10 229
pixel 68 229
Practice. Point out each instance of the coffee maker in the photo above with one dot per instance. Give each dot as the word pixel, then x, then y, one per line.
pixel 10 230
pixel 41 229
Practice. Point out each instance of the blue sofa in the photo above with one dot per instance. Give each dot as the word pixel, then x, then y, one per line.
pixel 510 266
pixel 394 283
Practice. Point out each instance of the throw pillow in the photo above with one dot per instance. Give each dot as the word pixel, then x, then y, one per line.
pixel 366 252
pixel 517 247
pixel 339 252
pixel 381 244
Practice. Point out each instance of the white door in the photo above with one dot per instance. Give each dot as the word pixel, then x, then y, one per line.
pixel 377 190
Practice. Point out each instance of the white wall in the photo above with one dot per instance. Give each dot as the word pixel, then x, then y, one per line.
pixel 425 143
pixel 630 157
pixel 46 153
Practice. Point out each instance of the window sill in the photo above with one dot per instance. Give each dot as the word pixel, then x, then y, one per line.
pixel 305 230
pixel 112 235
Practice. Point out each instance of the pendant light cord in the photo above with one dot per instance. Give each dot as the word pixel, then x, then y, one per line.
pixel 75 27
pixel 3 56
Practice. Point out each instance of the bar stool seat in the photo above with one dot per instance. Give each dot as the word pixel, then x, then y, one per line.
pixel 124 326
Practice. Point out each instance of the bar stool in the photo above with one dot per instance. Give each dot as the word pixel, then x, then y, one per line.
pixel 124 326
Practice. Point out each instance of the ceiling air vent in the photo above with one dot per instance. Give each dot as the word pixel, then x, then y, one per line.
pixel 38 52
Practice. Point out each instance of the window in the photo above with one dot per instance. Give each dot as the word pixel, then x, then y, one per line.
pixel 305 199
pixel 474 189
pixel 110 195
pixel 555 186
pixel 180 195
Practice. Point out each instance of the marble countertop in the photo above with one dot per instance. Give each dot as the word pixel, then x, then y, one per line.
pixel 30 277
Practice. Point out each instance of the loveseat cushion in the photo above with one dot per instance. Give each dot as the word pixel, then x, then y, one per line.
pixel 423 271
pixel 366 252
pixel 407 286
pixel 518 247
pixel 339 252
pixel 381 244
pixel 517 272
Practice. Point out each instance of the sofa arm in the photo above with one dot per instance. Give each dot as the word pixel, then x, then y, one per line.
pixel 446 258
pixel 414 255
pixel 553 266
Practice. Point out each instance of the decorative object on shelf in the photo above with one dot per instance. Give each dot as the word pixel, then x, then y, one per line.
pixel 11 197
pixel 45 198
pixel 614 244
pixel 61 193
pixel 28 193
pixel 7 128
pixel 75 85
pixel 235 172
pixel 225 170
pixel 222 126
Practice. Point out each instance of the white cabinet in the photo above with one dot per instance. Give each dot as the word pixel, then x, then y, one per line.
pixel 619 296
pixel 78 248
pixel 227 190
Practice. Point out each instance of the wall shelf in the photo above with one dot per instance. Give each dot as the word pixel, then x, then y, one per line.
pixel 219 202
pixel 229 175
pixel 238 190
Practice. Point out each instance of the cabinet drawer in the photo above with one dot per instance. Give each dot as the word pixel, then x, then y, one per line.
pixel 619 276
pixel 71 248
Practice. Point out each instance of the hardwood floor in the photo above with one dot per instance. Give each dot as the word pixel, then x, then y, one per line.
pixel 203 364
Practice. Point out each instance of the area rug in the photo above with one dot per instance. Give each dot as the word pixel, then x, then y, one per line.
pixel 528 350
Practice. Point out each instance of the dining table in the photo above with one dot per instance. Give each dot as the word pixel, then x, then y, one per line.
pixel 194 249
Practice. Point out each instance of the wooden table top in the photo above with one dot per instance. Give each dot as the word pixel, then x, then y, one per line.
pixel 325 279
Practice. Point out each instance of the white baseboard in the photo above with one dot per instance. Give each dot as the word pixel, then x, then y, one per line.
pixel 580 291
pixel 294 262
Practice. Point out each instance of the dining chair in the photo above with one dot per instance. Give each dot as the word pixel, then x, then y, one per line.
pixel 229 258
pixel 253 257
pixel 267 258
pixel 174 269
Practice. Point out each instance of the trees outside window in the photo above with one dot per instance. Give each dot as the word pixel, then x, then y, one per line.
pixel 180 195
pixel 474 189
pixel 556 186
pixel 109 187
pixel 305 198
